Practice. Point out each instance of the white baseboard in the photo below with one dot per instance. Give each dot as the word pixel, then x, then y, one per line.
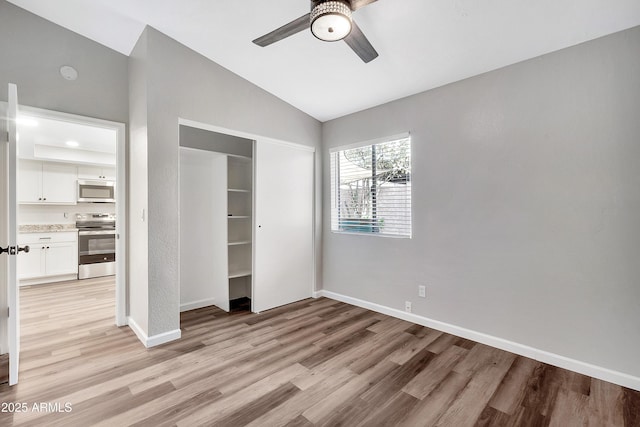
pixel 196 304
pixel 47 279
pixel 594 371
pixel 154 340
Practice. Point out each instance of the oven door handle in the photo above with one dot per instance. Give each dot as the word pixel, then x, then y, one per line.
pixel 96 233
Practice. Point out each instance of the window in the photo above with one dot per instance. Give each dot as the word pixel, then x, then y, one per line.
pixel 371 188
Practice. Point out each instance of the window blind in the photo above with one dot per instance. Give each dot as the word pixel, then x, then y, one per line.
pixel 371 188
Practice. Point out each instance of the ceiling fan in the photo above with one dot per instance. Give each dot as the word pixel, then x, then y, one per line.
pixel 329 21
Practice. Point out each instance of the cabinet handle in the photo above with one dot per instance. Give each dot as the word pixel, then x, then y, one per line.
pixel 44 198
pixel 39 198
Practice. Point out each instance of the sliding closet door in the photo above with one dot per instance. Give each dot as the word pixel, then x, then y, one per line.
pixel 284 192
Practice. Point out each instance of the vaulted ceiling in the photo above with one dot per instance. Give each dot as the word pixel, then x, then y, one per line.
pixel 422 43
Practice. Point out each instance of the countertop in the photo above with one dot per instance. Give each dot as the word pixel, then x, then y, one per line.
pixel 46 228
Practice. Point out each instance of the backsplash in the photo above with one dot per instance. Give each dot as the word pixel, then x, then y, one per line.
pixel 59 214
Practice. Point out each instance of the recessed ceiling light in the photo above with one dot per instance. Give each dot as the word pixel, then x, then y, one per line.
pixel 72 143
pixel 68 72
pixel 27 121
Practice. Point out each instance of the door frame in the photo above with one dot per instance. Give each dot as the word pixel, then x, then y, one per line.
pixel 121 196
pixel 256 140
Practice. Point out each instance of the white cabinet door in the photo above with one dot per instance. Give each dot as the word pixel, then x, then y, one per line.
pixel 61 258
pixel 284 192
pixel 59 183
pixel 109 174
pixel 96 172
pixel 46 182
pixel 30 182
pixel 31 264
pixel 89 172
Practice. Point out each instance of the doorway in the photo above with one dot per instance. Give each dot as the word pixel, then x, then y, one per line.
pixel 54 152
pixel 96 149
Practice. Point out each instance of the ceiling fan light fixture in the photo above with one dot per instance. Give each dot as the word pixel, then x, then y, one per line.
pixel 331 21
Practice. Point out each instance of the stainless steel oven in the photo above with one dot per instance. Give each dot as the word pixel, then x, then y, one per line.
pixel 96 245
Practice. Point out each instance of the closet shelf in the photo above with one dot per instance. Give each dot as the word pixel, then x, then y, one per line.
pixel 241 242
pixel 238 190
pixel 238 216
pixel 241 273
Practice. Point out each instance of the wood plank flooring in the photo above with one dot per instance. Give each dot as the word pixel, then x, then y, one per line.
pixel 312 363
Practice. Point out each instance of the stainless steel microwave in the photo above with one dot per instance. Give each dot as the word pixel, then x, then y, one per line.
pixel 96 191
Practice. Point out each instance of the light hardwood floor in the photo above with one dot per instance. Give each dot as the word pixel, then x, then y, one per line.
pixel 316 362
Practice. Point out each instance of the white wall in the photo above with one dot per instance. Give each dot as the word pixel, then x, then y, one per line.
pixel 526 205
pixel 58 214
pixel 203 229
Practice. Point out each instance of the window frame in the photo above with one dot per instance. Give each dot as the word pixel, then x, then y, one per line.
pixel 334 183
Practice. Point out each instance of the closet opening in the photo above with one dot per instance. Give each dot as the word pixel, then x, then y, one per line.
pixel 216 220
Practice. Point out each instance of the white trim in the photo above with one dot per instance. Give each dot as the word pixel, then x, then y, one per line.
pixel 154 340
pixel 137 330
pixel 122 288
pixel 389 138
pixel 163 338
pixel 254 169
pixel 28 281
pixel 197 304
pixel 581 367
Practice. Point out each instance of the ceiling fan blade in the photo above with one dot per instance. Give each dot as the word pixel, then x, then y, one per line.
pixel 360 44
pixel 285 31
pixel 357 4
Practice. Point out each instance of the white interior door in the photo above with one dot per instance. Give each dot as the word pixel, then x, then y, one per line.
pixel 10 225
pixel 284 220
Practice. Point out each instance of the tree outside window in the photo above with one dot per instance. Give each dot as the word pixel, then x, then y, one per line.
pixel 371 188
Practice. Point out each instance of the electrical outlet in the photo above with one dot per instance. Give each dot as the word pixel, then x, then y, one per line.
pixel 422 291
pixel 407 306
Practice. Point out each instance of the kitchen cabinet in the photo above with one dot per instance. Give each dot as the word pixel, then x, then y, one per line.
pixel 52 257
pixel 46 183
pixel 97 172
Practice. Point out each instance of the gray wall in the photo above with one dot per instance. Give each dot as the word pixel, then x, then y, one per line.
pixel 183 84
pixel 138 182
pixel 213 141
pixel 526 204
pixel 33 50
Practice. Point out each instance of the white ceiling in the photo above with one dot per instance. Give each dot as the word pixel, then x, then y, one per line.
pixel 422 43
pixel 39 131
